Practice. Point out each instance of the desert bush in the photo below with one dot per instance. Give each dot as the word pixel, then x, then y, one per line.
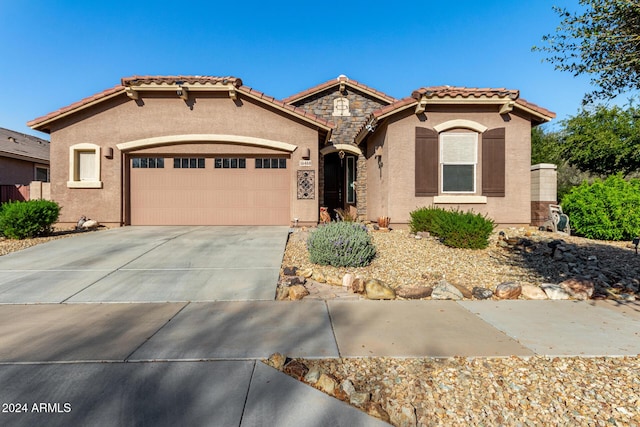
pixel 424 219
pixel 605 210
pixel 464 229
pixel 454 228
pixel 19 220
pixel 341 244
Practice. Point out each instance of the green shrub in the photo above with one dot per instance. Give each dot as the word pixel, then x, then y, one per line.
pixel 454 228
pixel 19 220
pixel 423 219
pixel 604 210
pixel 341 244
pixel 464 229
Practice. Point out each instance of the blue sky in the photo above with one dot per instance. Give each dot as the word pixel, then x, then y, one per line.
pixel 56 53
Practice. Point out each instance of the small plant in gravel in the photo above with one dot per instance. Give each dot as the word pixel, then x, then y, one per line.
pixel 341 244
pixel 455 228
pixel 20 220
pixel 605 210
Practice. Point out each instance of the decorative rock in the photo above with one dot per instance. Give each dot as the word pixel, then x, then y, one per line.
pixel 376 410
pixel 276 360
pixel 327 383
pixel 357 287
pixel 533 292
pixel 347 280
pixel 359 399
pixel 414 292
pixel 464 291
pixel 306 273
pixel 508 290
pixel 297 292
pixel 290 271
pixel 282 293
pixel 580 288
pixel 295 280
pixel 90 224
pixel 554 292
pixel 402 416
pixel 481 293
pixel 296 369
pixel 347 387
pixel 318 276
pixel 313 375
pixel 445 290
pixel 375 289
pixel 334 281
pixel 423 234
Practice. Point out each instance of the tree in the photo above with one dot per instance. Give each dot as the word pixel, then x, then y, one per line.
pixel 545 146
pixel 603 140
pixel 602 42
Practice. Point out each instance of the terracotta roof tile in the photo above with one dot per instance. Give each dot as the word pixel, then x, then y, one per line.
pixel 334 82
pixel 536 107
pixel 464 92
pixel 105 93
pixel 139 80
pixel 171 80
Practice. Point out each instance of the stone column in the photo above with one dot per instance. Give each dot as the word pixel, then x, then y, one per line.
pixel 544 191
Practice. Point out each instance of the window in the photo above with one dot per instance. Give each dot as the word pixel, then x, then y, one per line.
pixel 458 160
pixel 188 163
pixel 147 163
pixel 42 174
pixel 271 163
pixel 84 166
pixel 230 163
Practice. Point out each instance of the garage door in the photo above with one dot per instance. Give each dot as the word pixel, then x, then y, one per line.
pixel 209 191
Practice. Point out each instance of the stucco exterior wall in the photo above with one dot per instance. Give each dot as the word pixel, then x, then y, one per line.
pixel 122 120
pixel 398 177
pixel 14 171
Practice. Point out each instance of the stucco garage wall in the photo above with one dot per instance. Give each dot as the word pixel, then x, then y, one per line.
pixel 399 152
pixel 122 120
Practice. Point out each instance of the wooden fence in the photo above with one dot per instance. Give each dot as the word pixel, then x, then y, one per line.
pixel 36 190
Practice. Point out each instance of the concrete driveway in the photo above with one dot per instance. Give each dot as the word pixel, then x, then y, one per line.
pixel 148 264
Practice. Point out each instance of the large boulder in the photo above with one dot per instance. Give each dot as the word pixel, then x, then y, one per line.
pixel 580 288
pixel 508 290
pixel 376 289
pixel 445 290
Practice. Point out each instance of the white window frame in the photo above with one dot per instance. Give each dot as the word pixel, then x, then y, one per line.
pixel 474 162
pixel 74 166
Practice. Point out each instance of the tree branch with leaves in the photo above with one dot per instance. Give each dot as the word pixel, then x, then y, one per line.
pixel 603 42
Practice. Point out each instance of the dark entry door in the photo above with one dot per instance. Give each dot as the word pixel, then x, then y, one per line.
pixel 339 178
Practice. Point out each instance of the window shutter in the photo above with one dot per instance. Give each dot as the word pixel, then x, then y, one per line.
pixel 493 162
pixel 426 162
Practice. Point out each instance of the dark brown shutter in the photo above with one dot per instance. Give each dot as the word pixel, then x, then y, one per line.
pixel 426 162
pixel 493 162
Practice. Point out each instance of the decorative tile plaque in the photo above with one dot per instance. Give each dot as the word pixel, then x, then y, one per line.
pixel 306 185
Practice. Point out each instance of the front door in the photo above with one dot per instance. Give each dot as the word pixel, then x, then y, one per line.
pixel 339 182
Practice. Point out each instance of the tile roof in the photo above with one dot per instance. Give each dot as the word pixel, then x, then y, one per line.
pixel 334 82
pixel 175 80
pixel 76 105
pixel 20 145
pixel 171 80
pixel 464 92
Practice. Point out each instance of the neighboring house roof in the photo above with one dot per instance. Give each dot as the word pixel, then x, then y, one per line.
pixel 132 85
pixel 507 99
pixel 23 147
pixel 341 80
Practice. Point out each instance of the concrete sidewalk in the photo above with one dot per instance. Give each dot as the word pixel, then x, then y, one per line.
pixel 199 363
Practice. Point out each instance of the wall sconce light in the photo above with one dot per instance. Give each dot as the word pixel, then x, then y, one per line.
pixel 378 155
pixel 306 154
pixel 108 153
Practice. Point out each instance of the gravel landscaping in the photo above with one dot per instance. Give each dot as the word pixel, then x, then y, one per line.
pixel 509 391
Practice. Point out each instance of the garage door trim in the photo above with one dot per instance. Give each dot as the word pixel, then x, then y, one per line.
pixel 205 138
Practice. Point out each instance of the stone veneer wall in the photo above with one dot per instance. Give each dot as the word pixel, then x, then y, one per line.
pixel 360 106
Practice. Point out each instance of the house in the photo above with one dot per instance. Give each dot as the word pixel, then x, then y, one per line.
pixel 200 150
pixel 23 158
